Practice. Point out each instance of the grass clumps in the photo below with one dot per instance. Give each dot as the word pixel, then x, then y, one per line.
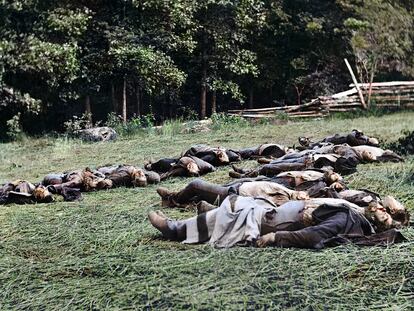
pixel 102 253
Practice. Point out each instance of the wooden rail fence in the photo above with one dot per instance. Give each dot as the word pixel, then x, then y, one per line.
pixel 397 94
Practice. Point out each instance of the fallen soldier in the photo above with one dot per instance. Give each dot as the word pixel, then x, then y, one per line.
pixel 86 180
pixel 215 156
pixel 362 154
pixel 199 190
pixel 299 162
pixel 355 138
pixel 388 209
pixel 208 196
pixel 256 221
pixel 316 182
pixel 271 151
pixel 188 166
pixel 284 187
pixel 162 165
pixel 375 154
pixel 293 179
pixel 24 192
pixel 128 176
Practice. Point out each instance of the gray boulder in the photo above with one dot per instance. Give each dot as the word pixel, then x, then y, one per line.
pixel 95 134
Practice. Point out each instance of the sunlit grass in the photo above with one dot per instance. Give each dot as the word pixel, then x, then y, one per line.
pixel 102 253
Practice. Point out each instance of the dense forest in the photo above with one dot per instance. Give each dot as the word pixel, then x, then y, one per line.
pixel 189 58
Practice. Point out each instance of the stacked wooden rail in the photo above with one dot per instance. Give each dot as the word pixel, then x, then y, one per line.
pixel 381 94
pixel 312 109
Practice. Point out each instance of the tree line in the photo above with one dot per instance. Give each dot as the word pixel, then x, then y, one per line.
pixel 182 58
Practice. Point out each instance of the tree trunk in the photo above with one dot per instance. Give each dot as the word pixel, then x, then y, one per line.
pixel 371 80
pixel 88 109
pixel 138 96
pixel 170 106
pixel 113 98
pixel 203 95
pixel 163 106
pixel 124 101
pixel 251 98
pixel 213 102
pixel 271 94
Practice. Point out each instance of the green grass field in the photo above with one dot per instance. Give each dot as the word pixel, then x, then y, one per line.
pixel 102 253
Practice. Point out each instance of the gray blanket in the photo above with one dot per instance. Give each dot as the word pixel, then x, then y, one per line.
pixel 238 219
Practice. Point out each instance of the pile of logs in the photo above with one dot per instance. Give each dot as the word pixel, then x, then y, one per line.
pixel 382 95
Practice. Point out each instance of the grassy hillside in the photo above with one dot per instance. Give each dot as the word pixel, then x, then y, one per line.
pixel 102 253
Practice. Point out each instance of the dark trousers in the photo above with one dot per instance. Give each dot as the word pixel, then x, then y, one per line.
pixel 314 236
pixel 200 190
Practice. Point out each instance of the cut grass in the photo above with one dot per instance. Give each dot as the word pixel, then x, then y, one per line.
pixel 102 253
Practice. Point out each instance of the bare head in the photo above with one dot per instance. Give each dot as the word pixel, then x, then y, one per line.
pixel 357 133
pixel 193 169
pixel 300 195
pixel 337 186
pixel 289 150
pixel 373 141
pixel 89 182
pixel 222 155
pixel 304 141
pixel 368 156
pixel 332 177
pixel 138 178
pixel 104 184
pixel 397 211
pixel 42 194
pixel 378 214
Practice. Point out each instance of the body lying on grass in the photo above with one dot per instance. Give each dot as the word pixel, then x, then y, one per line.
pixel 71 184
pixel 24 192
pixel 355 138
pixel 269 151
pixel 208 196
pixel 105 177
pixel 299 162
pixel 84 179
pixel 129 176
pixel 341 158
pixel 188 166
pixel 193 161
pixel 292 185
pixel 314 223
pixel 215 156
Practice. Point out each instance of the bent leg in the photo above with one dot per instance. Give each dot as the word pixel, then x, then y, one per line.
pixel 200 190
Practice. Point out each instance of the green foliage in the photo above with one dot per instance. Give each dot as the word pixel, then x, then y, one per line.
pixel 188 114
pixel 172 127
pixel 156 70
pixel 223 121
pixel 14 128
pixel 281 115
pixel 78 123
pixel 404 145
pixel 68 22
pixel 113 120
pixel 136 125
pixel 381 38
pixel 173 54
